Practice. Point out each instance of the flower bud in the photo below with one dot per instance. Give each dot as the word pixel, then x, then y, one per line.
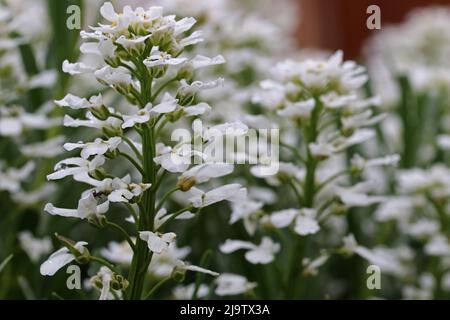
pixel 186 184
pixel 112 131
pixel 101 113
pixel 97 221
pixel 178 274
pixel 175 116
pixel 186 72
pixel 84 257
pixel 185 95
pixel 99 174
pixel 158 71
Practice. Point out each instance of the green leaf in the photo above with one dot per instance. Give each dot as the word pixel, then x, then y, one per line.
pixel 5 262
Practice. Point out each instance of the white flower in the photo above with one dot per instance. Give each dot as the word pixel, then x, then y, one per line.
pixel 92 122
pixel 104 48
pixel 202 61
pixel 74 102
pixel 167 105
pixel 183 267
pixel 118 189
pixel 120 253
pixel 159 58
pixel 105 276
pixel 157 243
pixel 186 292
pixel 60 258
pixel 134 43
pixel 438 246
pixel 356 196
pixel 387 259
pixel 14 120
pixel 335 101
pixel 247 211
pixel 301 110
pixel 305 220
pixel 443 141
pixel 176 159
pixel 115 77
pixel 34 247
pixel 229 192
pixel 232 284
pixel 88 206
pixel 47 149
pixel 263 254
pixel 311 267
pixel 203 173
pixel 11 178
pixel 98 147
pixel 79 168
pixel 35 196
pixel 360 163
pixel 76 68
pixel 163 264
pixel 360 120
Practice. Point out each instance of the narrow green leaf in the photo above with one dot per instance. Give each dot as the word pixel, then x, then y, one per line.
pixel 5 262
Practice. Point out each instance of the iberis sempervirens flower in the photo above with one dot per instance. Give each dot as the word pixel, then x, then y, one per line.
pixel 140 54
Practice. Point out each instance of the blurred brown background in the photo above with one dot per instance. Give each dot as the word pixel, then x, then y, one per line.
pixel 341 24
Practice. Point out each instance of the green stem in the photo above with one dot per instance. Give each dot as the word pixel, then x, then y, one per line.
pixel 331 179
pixel 156 287
pixel 132 147
pixel 158 91
pixel 133 162
pixel 123 232
pixel 106 264
pixel 142 257
pixel 174 215
pixel 165 197
pixel 309 190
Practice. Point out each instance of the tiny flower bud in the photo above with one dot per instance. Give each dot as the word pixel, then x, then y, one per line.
pixel 185 95
pixel 178 274
pixel 98 221
pixel 186 184
pixel 101 113
pixel 158 71
pixel 186 72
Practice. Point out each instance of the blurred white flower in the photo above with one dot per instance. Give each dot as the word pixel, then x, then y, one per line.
pixel 256 254
pixel 60 258
pixel 232 284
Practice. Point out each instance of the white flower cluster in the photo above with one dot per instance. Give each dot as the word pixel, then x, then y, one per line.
pixel 139 54
pixel 417 48
pixel 319 107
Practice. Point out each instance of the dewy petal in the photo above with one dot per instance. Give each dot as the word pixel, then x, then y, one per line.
pixel 59 259
pixel 56 261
